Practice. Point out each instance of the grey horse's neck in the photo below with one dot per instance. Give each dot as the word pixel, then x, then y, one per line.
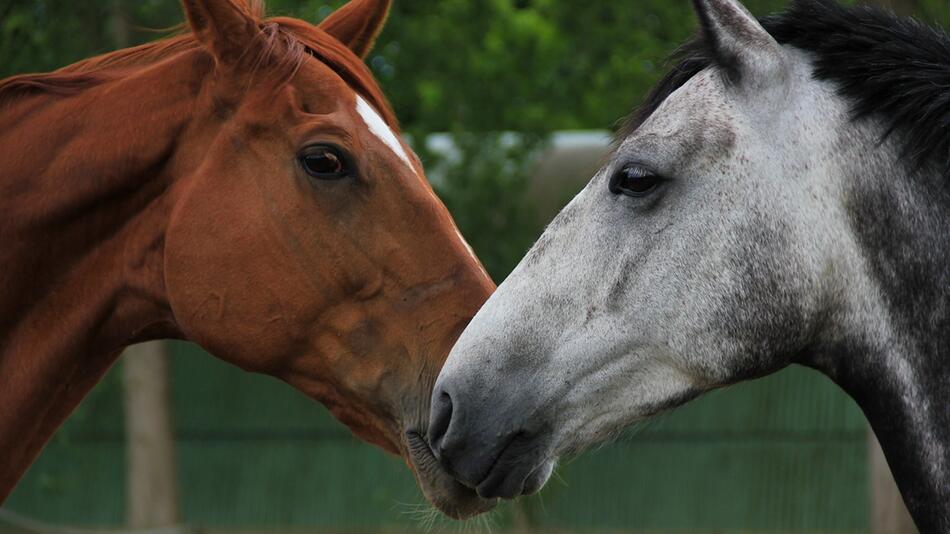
pixel 896 363
pixel 906 401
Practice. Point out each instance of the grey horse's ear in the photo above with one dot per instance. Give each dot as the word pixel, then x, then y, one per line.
pixel 743 48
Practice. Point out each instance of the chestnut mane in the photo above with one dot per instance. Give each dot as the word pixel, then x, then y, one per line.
pixel 281 47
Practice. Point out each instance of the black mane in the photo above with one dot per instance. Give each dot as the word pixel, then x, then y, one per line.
pixel 896 69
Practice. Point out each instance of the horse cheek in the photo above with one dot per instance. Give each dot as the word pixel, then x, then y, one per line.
pixel 223 284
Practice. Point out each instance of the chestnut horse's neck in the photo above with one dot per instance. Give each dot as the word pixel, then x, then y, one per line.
pixel 86 186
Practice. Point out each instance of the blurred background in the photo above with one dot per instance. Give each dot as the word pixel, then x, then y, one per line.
pixel 511 104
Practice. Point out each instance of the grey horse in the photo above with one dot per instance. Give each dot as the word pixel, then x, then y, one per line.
pixel 781 198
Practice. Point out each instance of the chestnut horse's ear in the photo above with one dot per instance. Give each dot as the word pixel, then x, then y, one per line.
pixel 225 27
pixel 358 24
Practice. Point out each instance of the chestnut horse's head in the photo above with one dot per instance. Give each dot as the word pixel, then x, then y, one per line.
pixel 305 242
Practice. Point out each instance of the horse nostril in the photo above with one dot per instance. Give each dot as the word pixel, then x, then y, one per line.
pixel 439 421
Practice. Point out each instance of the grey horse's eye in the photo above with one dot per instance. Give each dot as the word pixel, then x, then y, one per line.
pixel 634 181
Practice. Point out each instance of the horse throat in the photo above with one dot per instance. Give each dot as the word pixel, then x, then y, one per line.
pixel 85 189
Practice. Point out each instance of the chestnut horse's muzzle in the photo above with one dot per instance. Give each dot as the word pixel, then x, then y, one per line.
pixel 440 487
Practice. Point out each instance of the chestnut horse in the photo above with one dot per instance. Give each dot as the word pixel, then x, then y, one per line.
pixel 242 187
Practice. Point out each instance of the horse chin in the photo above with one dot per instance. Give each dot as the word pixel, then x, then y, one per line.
pixel 440 488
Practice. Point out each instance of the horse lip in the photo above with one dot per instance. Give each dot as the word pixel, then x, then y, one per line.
pixel 447 494
pixel 511 470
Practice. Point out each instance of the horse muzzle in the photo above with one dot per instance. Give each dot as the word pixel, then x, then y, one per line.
pixel 440 488
pixel 488 451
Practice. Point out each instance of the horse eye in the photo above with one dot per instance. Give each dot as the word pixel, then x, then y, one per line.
pixel 325 163
pixel 634 181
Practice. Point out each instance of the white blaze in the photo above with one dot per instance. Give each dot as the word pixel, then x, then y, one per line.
pixel 381 130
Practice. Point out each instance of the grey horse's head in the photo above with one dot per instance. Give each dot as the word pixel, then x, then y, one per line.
pixel 716 245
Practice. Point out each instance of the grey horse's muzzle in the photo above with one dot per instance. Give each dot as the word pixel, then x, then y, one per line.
pixel 487 442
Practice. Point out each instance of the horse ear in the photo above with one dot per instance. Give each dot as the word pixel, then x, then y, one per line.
pixel 225 27
pixel 358 24
pixel 743 48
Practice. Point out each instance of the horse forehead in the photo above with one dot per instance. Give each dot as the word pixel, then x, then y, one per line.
pixel 696 117
pixel 708 114
pixel 378 127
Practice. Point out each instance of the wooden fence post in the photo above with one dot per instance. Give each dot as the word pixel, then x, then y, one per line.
pixel 152 472
pixel 888 513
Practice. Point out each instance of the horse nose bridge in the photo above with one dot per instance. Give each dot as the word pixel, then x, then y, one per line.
pixel 456 287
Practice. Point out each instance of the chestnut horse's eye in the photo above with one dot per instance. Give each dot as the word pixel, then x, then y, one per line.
pixel 325 162
pixel 634 181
